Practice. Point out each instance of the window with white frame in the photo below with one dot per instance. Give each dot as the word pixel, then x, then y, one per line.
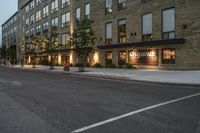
pixel 108 34
pixel 65 3
pixel 66 19
pixel 54 6
pixel 147 27
pixel 168 24
pixel 87 11
pixel 38 15
pixel 45 11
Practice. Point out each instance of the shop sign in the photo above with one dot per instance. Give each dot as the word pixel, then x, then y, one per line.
pixel 143 57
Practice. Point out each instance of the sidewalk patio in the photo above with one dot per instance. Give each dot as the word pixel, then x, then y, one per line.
pixel 160 76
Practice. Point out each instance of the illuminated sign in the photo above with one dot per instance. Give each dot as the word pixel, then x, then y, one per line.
pixel 143 57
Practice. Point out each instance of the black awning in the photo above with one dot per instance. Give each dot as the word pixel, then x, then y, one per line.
pixel 147 43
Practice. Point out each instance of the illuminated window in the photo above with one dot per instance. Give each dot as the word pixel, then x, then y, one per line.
pixel 168 56
pixel 108 57
pixel 122 58
pixel 38 15
pixel 122 31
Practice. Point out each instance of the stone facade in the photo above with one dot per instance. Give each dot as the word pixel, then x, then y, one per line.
pixel 184 47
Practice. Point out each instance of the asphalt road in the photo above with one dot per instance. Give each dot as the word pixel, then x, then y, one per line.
pixel 41 102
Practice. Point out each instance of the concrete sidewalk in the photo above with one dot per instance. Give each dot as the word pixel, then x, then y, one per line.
pixel 158 76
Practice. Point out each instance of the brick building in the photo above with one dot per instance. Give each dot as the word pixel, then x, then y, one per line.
pixel 145 33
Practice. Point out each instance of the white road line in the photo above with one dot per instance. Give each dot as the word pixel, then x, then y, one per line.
pixel 133 113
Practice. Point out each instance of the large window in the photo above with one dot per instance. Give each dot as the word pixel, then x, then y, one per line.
pixel 78 14
pixel 108 57
pixel 66 19
pixel 168 56
pixel 27 22
pixel 38 15
pixel 37 2
pixel 45 26
pixel 168 19
pixel 32 19
pixel 147 27
pixel 46 11
pixel 122 31
pixel 108 6
pixel 38 29
pixel 87 11
pixel 32 4
pixel 122 58
pixel 121 4
pixel 65 39
pixel 54 23
pixel 108 33
pixel 65 3
pixel 32 32
pixel 27 9
pixel 54 6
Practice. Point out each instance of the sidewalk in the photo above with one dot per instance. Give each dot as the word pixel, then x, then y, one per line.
pixel 158 76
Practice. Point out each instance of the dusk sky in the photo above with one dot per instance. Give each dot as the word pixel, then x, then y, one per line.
pixel 7 9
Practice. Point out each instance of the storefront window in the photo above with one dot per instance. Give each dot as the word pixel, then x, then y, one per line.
pixel 108 57
pixel 122 58
pixel 168 56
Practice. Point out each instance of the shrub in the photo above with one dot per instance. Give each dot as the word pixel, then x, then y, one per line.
pixel 97 65
pixel 129 66
pixel 87 65
pixel 79 65
pixel 110 66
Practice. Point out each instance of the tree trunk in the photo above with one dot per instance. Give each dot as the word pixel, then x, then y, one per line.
pixel 51 64
pixel 81 64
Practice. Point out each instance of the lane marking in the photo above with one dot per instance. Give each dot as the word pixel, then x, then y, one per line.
pixel 133 113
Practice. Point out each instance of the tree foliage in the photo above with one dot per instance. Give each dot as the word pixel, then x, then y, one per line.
pixel 83 37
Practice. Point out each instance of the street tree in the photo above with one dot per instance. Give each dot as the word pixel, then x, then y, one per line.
pixel 51 45
pixel 83 37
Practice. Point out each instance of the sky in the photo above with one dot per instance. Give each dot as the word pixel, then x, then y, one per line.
pixel 7 9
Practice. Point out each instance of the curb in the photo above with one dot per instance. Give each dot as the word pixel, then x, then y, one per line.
pixel 110 77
